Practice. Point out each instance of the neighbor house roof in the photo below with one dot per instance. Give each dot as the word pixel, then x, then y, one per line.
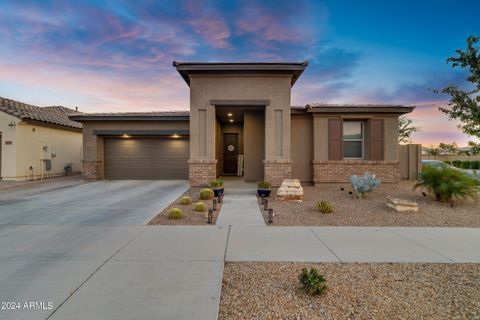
pixel 187 68
pixel 56 115
pixel 133 116
pixel 357 108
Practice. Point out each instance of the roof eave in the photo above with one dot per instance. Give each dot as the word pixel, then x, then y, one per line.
pixel 107 118
pixel 183 68
pixel 392 110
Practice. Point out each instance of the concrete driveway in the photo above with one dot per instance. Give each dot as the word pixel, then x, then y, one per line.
pixel 95 203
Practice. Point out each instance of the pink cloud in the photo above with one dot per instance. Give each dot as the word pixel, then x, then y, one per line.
pixel 208 24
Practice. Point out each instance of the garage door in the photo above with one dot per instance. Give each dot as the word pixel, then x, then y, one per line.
pixel 146 158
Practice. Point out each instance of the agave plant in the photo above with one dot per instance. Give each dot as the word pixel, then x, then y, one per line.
pixel 447 184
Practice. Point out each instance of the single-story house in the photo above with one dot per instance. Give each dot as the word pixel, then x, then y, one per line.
pixel 241 122
pixel 37 142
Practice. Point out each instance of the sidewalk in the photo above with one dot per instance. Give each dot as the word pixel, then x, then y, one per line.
pixel 175 272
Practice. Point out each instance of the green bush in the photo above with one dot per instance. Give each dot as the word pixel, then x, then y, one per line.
pixel 217 183
pixel 448 185
pixel 200 207
pixel 448 162
pixel 312 282
pixel 185 200
pixel 174 214
pixel 457 163
pixel 264 185
pixel 475 165
pixel 324 206
pixel 465 165
pixel 206 194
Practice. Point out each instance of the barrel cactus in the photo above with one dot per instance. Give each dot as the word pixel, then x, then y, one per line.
pixel 364 184
pixel 175 213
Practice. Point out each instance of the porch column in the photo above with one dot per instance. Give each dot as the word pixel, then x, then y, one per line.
pixel 277 163
pixel 202 163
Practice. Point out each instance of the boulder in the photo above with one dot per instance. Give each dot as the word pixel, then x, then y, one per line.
pixel 400 205
pixel 291 190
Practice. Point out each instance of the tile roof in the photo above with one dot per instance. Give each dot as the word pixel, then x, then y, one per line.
pixel 182 113
pixel 54 114
pixel 351 105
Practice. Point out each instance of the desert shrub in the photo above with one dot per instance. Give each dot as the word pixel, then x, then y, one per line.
pixel 312 282
pixel 324 206
pixel 465 165
pixel 457 163
pixel 206 194
pixel 448 185
pixel 174 213
pixel 185 200
pixel 448 162
pixel 264 185
pixel 475 165
pixel 200 207
pixel 217 183
pixel 363 184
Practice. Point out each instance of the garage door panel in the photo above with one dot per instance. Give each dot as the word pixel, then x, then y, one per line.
pixel 146 159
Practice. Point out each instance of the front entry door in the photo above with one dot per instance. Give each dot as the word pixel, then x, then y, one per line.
pixel 230 152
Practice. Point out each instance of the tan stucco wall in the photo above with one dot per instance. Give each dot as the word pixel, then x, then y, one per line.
pixel 204 88
pixel 254 147
pixel 63 146
pixel 93 145
pixel 8 152
pixel 391 138
pixel 302 147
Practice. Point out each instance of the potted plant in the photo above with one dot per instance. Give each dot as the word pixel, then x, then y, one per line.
pixel 264 188
pixel 217 187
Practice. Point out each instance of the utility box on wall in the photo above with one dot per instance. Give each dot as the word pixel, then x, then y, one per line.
pixel 45 151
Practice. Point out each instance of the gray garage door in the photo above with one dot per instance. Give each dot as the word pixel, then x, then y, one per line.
pixel 146 158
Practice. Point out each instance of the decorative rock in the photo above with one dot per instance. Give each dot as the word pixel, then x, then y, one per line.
pixel 291 190
pixel 401 205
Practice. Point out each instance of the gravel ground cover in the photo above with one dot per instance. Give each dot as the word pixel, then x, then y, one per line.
pixel 355 291
pixel 372 210
pixel 190 216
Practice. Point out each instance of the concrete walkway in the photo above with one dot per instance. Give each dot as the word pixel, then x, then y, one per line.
pixel 240 206
pixel 175 272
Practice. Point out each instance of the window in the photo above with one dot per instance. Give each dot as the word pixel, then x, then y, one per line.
pixel 353 139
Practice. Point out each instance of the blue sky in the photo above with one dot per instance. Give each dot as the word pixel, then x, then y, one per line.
pixel 116 55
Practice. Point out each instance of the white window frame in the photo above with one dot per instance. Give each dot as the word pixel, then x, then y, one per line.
pixel 362 126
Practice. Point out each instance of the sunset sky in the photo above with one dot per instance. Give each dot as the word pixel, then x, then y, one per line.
pixel 113 56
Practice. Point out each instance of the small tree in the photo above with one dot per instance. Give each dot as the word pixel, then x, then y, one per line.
pixel 406 129
pixel 450 148
pixel 464 105
pixel 433 152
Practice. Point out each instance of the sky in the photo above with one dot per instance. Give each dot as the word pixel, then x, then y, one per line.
pixel 114 56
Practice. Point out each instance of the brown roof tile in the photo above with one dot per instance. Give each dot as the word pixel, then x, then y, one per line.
pixel 55 114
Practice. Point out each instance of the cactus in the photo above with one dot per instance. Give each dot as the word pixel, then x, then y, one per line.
pixel 206 194
pixel 363 184
pixel 324 206
pixel 200 207
pixel 185 200
pixel 174 213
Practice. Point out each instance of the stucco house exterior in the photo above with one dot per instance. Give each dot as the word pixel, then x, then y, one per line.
pixel 37 142
pixel 241 122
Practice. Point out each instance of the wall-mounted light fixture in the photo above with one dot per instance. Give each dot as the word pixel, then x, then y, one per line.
pixel 12 124
pixel 230 114
pixel 175 136
pixel 125 135
pixel 231 120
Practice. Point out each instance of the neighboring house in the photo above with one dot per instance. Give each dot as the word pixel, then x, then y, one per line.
pixel 243 109
pixel 37 142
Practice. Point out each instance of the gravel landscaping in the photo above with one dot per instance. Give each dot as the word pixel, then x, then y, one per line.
pixel 355 291
pixel 190 216
pixel 372 210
